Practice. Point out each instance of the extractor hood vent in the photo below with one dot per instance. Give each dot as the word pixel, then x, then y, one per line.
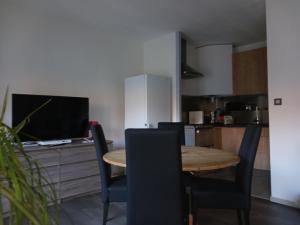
pixel 187 72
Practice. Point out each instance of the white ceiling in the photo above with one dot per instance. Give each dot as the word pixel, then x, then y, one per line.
pixel 203 21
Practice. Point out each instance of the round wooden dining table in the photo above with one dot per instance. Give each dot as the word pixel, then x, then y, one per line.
pixel 194 158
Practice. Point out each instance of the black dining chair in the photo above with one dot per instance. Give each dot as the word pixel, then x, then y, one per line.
pixel 224 194
pixel 155 190
pixel 179 126
pixel 113 189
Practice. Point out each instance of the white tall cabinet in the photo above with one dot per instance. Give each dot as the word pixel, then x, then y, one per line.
pixel 147 101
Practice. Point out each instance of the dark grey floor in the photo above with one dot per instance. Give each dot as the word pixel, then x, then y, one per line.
pixel 88 211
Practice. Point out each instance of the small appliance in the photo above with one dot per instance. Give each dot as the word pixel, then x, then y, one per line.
pixel 196 117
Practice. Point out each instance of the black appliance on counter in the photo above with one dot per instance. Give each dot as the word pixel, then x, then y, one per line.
pixel 245 113
pixel 239 106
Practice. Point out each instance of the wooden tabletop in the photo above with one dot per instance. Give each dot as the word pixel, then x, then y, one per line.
pixel 194 158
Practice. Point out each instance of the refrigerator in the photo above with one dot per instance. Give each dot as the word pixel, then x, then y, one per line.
pixel 147 101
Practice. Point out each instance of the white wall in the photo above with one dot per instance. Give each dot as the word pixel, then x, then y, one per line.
pixel 215 63
pixel 161 57
pixel 242 48
pixel 55 56
pixel 283 32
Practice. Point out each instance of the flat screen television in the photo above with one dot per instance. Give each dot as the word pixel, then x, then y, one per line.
pixel 62 118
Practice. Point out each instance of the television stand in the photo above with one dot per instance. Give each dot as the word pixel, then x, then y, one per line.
pixel 72 169
pixel 55 142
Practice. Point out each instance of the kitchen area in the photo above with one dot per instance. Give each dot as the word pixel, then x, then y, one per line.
pixel 224 89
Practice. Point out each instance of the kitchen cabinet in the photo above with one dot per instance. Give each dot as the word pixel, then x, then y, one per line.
pixel 217 137
pixel 147 101
pixel 204 137
pixel 230 138
pixel 250 72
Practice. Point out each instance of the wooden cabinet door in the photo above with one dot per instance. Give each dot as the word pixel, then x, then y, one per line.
pixel 250 72
pixel 204 137
pixel 217 137
pixel 231 139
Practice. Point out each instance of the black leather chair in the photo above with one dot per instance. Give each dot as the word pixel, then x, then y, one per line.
pixel 155 191
pixel 224 194
pixel 179 126
pixel 113 188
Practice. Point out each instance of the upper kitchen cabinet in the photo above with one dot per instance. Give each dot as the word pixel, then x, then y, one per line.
pixel 215 63
pixel 250 72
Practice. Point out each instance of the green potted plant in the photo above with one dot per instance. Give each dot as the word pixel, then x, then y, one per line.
pixel 21 181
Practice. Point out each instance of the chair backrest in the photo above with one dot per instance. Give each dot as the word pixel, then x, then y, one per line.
pixel 247 155
pixel 101 149
pixel 179 126
pixel 153 158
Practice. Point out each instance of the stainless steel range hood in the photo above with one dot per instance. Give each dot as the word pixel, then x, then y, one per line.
pixel 187 72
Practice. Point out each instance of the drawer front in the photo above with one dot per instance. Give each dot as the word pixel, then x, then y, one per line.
pixel 5 205
pixel 78 154
pixel 80 186
pixel 48 189
pixel 45 158
pixel 51 174
pixel 79 170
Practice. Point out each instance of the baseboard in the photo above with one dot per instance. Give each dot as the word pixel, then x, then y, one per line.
pixel 264 197
pixel 284 202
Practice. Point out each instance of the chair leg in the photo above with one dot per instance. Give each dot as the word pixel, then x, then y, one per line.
pixel 194 218
pixel 105 212
pixel 239 216
pixel 247 216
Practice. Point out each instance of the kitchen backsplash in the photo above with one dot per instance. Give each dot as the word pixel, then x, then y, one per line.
pixel 243 109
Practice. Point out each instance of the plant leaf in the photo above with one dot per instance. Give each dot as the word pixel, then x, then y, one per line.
pixel 4 105
pixel 23 185
pixel 1 210
pixel 27 118
pixel 9 195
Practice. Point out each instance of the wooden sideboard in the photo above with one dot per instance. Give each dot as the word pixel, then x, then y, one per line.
pixel 71 169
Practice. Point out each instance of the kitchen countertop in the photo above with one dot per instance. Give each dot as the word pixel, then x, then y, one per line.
pixel 228 125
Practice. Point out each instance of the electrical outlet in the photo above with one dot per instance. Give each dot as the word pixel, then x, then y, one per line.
pixel 277 101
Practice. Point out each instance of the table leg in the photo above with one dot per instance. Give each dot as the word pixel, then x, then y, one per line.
pixel 190 219
pixel 190 216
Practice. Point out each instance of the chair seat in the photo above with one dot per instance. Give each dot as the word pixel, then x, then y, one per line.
pixel 216 193
pixel 117 189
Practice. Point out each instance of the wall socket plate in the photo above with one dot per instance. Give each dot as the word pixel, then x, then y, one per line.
pixel 277 101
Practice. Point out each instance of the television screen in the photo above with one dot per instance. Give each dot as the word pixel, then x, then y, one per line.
pixel 61 118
